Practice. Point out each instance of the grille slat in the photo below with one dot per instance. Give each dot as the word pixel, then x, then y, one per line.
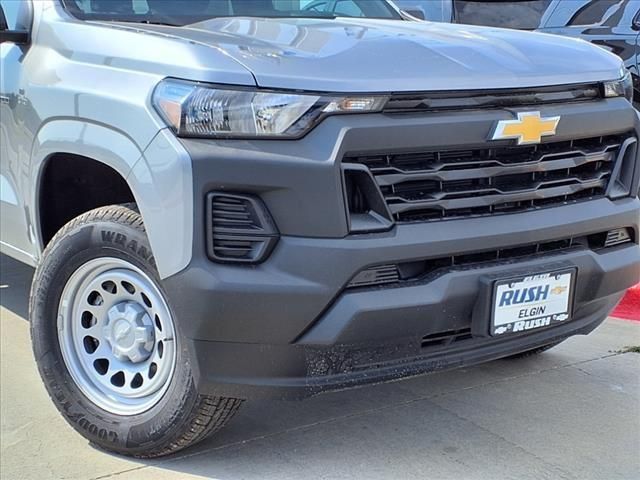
pixel 472 170
pixel 446 183
pixel 231 213
pixel 399 205
pixel 411 193
pixel 232 222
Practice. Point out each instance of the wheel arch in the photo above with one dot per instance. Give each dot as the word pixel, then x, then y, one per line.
pixel 70 185
pixel 58 141
pixel 114 151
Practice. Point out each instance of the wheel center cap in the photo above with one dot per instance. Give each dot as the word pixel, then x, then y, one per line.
pixel 130 332
pixel 123 333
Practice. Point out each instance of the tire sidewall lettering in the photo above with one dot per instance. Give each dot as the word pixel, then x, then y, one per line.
pixel 135 246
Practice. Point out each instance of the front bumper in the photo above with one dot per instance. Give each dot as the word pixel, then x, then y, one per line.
pixel 290 328
pixel 282 330
pixel 299 371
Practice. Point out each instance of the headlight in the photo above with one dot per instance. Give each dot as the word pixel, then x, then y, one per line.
pixel 199 110
pixel 620 88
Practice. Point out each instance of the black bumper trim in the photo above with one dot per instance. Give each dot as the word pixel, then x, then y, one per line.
pixel 297 371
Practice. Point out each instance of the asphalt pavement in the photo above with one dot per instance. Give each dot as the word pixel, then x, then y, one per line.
pixel 571 413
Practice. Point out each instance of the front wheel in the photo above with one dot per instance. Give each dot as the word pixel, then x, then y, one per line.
pixel 106 343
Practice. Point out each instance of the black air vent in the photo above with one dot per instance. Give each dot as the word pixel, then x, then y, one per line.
pixel 429 269
pixel 443 339
pixel 379 275
pixel 618 237
pixel 239 228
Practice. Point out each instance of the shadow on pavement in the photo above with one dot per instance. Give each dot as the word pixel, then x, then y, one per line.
pixel 15 282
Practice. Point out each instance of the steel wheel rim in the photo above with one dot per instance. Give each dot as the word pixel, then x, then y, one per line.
pixel 117 336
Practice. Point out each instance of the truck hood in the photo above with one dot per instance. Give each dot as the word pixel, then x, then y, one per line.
pixel 363 55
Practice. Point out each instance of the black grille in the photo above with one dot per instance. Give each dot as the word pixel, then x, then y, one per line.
pixel 429 269
pixel 442 184
pixel 239 228
pixel 444 339
pixel 378 275
pixel 452 100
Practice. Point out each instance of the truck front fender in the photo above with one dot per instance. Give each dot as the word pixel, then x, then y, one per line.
pixel 158 175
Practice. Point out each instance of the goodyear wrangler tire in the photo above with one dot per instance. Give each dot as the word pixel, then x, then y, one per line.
pixel 106 343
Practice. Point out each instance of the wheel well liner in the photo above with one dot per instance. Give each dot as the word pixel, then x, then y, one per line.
pixel 71 185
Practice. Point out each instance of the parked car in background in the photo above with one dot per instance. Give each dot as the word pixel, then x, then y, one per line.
pixel 611 24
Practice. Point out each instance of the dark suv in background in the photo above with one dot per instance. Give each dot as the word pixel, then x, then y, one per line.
pixel 611 24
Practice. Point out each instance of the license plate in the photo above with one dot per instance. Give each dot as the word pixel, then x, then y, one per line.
pixel 530 303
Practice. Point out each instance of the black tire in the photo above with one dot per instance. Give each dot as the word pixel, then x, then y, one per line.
pixel 534 351
pixel 182 417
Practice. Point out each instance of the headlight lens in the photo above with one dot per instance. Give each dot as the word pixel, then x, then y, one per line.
pixel 620 88
pixel 197 110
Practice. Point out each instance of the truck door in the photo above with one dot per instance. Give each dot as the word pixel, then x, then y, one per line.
pixel 15 138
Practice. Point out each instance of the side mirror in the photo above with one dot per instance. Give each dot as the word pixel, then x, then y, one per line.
pixel 415 13
pixel 13 36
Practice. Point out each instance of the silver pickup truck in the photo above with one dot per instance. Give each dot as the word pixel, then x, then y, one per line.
pixel 239 199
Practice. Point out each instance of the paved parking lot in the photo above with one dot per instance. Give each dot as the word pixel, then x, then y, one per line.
pixel 572 413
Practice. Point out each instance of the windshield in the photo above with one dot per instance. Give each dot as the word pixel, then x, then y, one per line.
pixel 518 14
pixel 183 12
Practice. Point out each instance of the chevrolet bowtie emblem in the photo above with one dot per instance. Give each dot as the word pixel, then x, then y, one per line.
pixel 558 290
pixel 528 129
